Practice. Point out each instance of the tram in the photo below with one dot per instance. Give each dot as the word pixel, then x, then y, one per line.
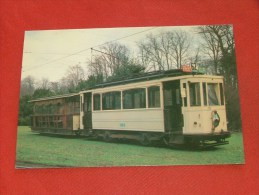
pixel 179 107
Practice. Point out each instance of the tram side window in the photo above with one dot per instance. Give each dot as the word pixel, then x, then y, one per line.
pixel 213 94
pixel 195 97
pixel 36 109
pixel 76 107
pixel 221 94
pixel 185 98
pixel 82 104
pixel 134 98
pixel 204 94
pixel 154 97
pixel 111 100
pixel 97 102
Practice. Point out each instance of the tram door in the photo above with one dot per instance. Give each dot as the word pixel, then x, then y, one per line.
pixel 88 111
pixel 173 118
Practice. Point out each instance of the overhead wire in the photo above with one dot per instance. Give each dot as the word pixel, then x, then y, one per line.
pixel 57 59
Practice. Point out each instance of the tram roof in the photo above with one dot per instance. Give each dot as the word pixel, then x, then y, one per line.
pixel 54 97
pixel 133 79
pixel 146 77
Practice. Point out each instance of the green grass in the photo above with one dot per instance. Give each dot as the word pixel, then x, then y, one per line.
pixel 40 150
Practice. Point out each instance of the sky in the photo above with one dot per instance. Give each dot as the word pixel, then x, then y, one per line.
pixel 49 53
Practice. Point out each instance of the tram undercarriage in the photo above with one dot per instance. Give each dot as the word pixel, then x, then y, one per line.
pixel 200 140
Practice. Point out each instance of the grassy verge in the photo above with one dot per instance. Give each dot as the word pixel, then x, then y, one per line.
pixel 36 150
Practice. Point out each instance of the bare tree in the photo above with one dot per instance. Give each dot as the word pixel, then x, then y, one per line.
pixel 74 75
pixel 219 46
pixel 110 60
pixel 97 66
pixel 44 83
pixel 28 85
pixel 210 46
pixel 180 45
pixel 151 52
pixel 166 50
pixel 115 55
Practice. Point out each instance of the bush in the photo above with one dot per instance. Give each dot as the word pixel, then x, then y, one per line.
pixel 24 121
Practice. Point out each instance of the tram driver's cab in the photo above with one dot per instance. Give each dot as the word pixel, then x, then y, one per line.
pixel 203 105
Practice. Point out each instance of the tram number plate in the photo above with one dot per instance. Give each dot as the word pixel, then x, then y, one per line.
pixel 122 125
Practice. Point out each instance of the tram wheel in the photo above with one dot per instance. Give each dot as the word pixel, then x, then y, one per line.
pixel 144 139
pixel 107 136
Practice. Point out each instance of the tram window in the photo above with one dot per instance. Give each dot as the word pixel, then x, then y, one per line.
pixel 213 94
pixel 58 108
pixel 177 97
pixel 87 103
pixel 82 104
pixel 51 108
pixel 154 97
pixel 127 100
pixel 36 109
pixel 76 107
pixel 185 98
pixel 111 100
pixel 117 100
pixel 44 109
pixel 194 90
pixel 134 98
pixel 97 103
pixel 204 94
pixel 221 94
pixel 55 109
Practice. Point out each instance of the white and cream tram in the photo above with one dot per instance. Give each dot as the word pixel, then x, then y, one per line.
pixel 175 106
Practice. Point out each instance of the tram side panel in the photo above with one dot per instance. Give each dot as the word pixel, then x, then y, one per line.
pixel 200 121
pixel 130 120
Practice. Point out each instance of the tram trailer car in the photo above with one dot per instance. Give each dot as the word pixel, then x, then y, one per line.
pixel 56 115
pixel 174 106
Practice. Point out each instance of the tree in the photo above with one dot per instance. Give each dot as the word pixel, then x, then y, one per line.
pixel 74 75
pixel 165 51
pixel 41 93
pixel 112 61
pixel 90 82
pixel 27 86
pixel 210 46
pixel 44 83
pixel 115 55
pixel 219 45
pixel 126 71
pixel 151 52
pixel 180 45
pixel 25 110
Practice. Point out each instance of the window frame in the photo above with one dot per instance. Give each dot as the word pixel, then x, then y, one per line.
pixel 112 95
pixel 197 95
pixel 133 97
pixel 149 91
pixel 216 88
pixel 94 102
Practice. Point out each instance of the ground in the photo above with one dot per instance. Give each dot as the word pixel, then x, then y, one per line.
pixel 35 150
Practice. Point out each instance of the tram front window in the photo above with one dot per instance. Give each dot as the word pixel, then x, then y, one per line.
pixel 194 91
pixel 213 94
